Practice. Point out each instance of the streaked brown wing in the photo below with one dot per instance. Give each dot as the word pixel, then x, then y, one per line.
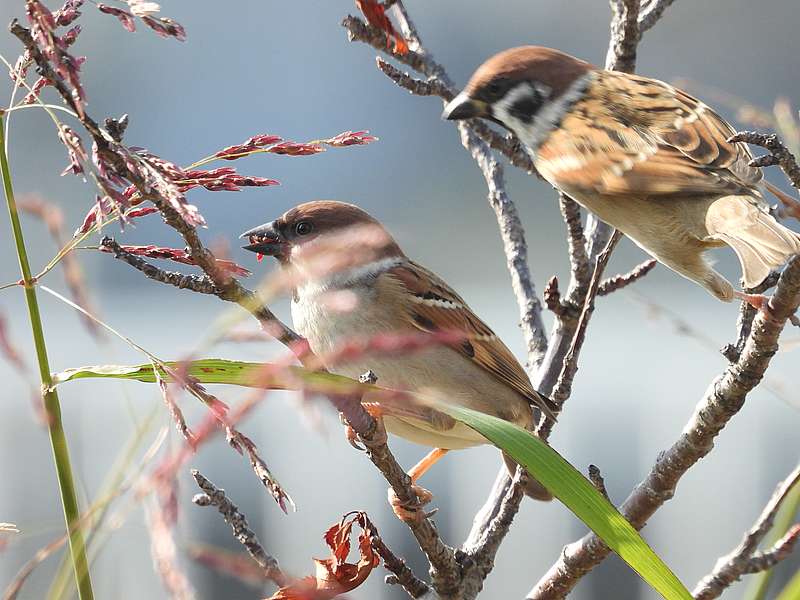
pixel 666 142
pixel 436 307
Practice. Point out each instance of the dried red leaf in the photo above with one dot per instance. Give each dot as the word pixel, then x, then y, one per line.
pixel 334 576
pixel 375 13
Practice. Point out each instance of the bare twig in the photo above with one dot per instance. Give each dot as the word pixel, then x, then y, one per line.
pixel 400 573
pixel 745 558
pixel 503 503
pixel 723 399
pixel 570 364
pixel 625 36
pixel 508 145
pixel 201 284
pixel 651 12
pixel 580 269
pixel 745 321
pixel 445 571
pixel 515 247
pixel 418 87
pixel 214 496
pixel 778 155
pixel 612 284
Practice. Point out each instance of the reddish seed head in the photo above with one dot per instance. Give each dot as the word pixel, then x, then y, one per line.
pixel 123 16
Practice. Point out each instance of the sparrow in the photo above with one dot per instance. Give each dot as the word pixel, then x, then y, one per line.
pixel 376 290
pixel 642 155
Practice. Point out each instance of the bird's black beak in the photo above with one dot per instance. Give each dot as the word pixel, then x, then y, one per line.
pixel 266 240
pixel 464 107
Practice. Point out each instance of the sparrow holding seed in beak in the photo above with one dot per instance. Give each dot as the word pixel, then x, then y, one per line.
pixel 645 157
pixel 351 281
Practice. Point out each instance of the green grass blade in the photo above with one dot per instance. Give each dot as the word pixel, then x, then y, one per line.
pixel 55 427
pixel 218 370
pixel 578 494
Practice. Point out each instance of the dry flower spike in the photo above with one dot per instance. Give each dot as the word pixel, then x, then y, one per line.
pixel 176 255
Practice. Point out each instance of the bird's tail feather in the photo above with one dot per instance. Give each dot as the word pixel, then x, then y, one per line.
pixel 761 243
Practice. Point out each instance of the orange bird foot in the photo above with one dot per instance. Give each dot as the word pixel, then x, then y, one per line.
pixel 378 437
pixel 412 512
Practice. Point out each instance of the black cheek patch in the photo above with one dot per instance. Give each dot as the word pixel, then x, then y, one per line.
pixel 526 108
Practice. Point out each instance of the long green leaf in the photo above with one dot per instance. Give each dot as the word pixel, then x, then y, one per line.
pixel 578 494
pixel 562 479
pixel 218 370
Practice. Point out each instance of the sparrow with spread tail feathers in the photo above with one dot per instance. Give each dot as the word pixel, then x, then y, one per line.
pixel 643 156
pixel 394 295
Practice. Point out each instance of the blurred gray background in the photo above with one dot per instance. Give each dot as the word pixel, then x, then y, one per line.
pixel 287 68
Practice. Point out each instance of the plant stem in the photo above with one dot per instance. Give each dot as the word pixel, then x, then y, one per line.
pixel 58 440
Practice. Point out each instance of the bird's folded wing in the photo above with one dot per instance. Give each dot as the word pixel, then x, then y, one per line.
pixel 631 134
pixel 436 307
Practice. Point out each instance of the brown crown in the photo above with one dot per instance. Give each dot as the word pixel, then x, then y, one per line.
pixel 331 216
pixel 551 67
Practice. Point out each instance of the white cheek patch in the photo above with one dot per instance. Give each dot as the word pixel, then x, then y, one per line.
pixel 314 286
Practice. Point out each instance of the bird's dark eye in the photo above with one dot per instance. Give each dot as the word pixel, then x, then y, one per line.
pixel 303 228
pixel 495 88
